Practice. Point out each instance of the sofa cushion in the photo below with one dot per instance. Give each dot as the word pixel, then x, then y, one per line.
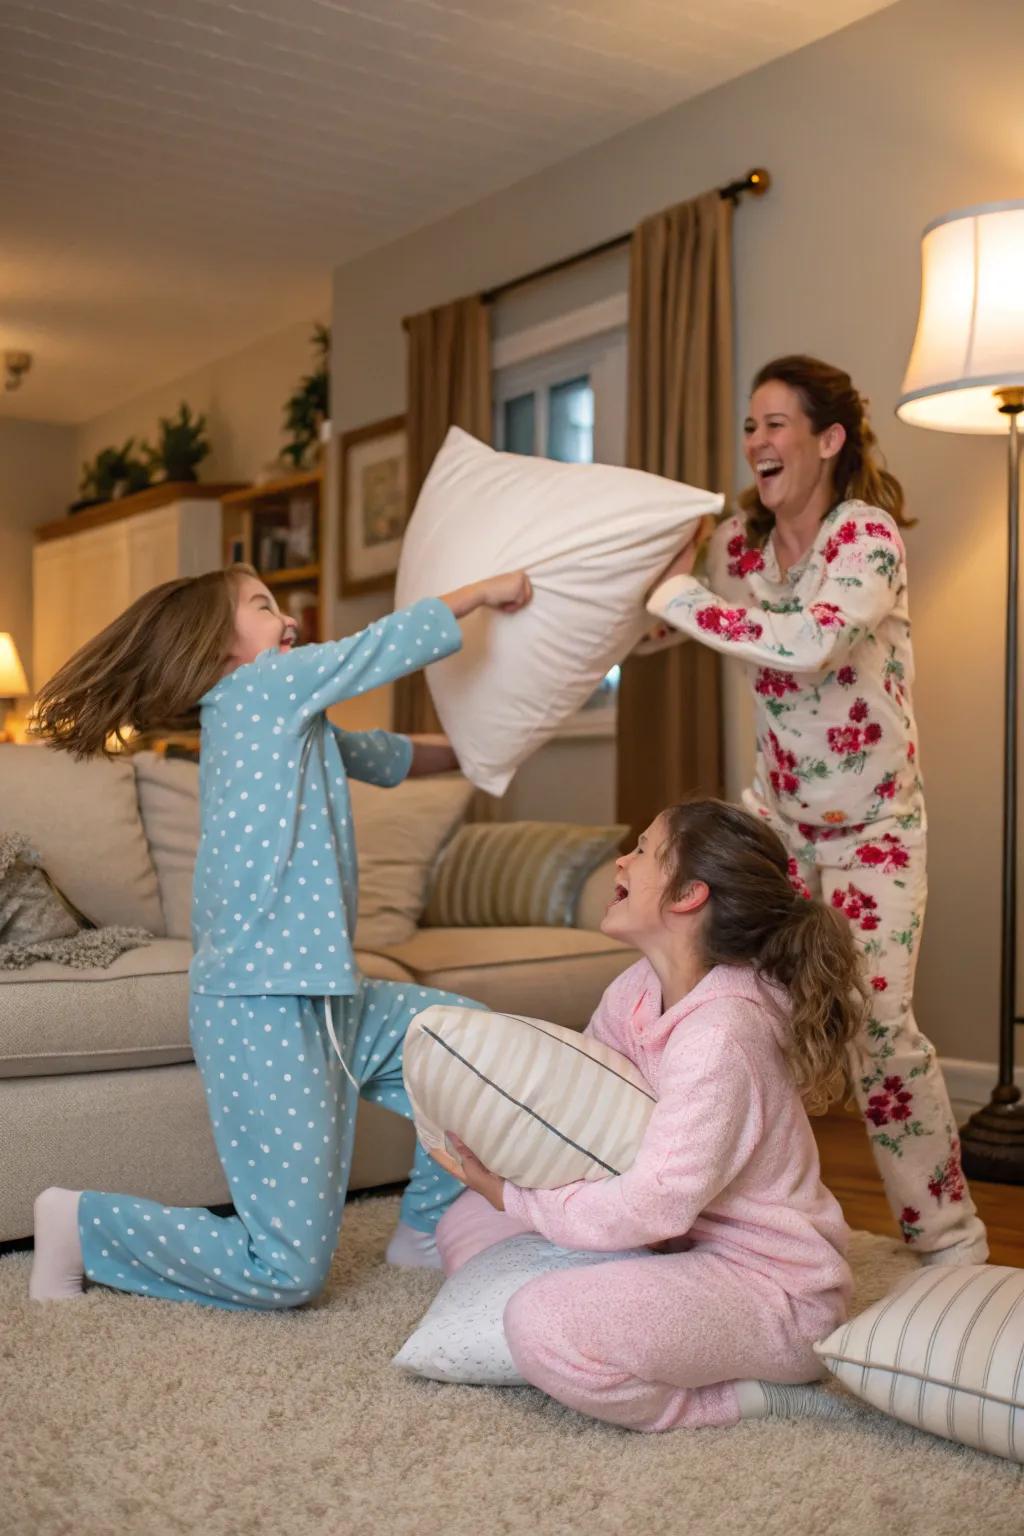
pixel 168 790
pixel 83 819
pixel 552 973
pixel 133 1013
pixel 399 834
pixel 521 873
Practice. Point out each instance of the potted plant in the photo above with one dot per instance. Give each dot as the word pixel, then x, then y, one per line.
pixel 180 446
pixel 309 407
pixel 114 472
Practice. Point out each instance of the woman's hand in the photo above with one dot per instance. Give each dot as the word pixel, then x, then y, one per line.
pixel 682 564
pixel 508 593
pixel 469 1170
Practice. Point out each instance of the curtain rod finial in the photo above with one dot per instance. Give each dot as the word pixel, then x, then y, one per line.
pixel 759 181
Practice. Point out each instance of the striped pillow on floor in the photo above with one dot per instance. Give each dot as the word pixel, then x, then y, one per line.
pixel 516 873
pixel 945 1352
pixel 538 1104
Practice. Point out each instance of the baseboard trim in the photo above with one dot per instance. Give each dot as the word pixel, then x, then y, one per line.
pixel 970 1083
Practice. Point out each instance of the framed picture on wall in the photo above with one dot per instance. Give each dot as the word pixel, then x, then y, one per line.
pixel 372 481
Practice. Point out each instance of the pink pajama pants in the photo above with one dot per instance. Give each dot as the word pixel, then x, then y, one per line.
pixel 649 1343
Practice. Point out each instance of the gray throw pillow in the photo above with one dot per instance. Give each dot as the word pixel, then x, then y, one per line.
pixel 32 910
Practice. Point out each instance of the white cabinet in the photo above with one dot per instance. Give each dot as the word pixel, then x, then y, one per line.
pixel 83 579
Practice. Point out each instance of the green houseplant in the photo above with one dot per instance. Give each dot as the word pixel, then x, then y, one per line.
pixel 114 472
pixel 180 446
pixel 308 407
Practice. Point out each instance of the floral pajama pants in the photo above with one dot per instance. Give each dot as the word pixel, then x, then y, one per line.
pixel 284 1115
pixel 876 878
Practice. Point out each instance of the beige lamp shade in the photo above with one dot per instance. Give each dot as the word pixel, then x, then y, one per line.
pixel 970 329
pixel 13 683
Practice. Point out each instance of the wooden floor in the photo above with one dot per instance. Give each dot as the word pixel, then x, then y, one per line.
pixel 848 1169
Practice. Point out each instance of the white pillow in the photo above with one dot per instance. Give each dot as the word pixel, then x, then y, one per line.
pixel 593 538
pixel 538 1104
pixel 461 1336
pixel 944 1352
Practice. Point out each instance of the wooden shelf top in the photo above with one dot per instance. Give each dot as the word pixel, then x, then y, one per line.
pixel 293 576
pixel 249 495
pixel 142 501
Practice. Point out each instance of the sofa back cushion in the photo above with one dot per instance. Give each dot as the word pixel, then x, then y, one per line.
pixel 399 833
pixel 83 819
pixel 168 791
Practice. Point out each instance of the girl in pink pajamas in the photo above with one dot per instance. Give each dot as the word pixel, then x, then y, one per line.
pixel 741 1009
pixel 809 588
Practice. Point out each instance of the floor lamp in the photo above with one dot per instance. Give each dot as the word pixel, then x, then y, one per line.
pixel 966 374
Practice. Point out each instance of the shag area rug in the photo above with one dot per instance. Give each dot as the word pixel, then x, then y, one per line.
pixel 121 1416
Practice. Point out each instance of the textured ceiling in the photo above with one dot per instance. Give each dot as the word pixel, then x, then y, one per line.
pixel 179 177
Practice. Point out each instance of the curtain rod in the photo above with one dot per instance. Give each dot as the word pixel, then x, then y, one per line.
pixel 756 182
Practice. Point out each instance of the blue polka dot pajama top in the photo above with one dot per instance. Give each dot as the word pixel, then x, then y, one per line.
pixel 274 977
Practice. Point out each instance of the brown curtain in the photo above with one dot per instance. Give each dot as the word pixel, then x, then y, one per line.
pixel 449 385
pixel 679 424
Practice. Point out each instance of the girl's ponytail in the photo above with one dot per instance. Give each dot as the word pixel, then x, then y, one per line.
pixel 813 956
pixel 758 916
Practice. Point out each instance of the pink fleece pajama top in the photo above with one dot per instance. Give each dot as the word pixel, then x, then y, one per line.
pixel 728 1160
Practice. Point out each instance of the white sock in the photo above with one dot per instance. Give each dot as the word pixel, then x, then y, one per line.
pixel 58 1269
pixel 411 1249
pixel 973 1250
pixel 773 1400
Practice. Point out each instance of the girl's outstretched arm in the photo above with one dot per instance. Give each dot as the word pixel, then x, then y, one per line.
pixel 301 684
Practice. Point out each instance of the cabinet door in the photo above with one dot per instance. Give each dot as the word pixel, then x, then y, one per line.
pixel 101 585
pixel 53 637
pixel 152 541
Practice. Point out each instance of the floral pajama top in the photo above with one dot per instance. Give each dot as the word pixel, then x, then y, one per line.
pixel 827 646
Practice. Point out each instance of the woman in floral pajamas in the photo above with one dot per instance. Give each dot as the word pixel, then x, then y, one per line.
pixel 809 588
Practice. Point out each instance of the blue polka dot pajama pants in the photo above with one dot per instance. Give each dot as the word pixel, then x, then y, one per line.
pixel 283 1113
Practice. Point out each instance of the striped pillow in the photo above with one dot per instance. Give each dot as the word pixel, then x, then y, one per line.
pixel 944 1352
pixel 540 1105
pixel 516 873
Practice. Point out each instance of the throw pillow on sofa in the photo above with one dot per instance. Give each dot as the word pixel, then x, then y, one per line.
pixel 594 538
pixel 944 1352
pixel 540 1105
pixel 517 873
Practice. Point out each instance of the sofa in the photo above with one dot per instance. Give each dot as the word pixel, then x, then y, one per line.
pixel 98 1088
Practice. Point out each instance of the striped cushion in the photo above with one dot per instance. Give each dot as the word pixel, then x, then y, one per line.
pixel 517 874
pixel 945 1352
pixel 540 1105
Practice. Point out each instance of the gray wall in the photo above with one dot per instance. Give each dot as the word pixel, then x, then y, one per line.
pixel 868 134
pixel 38 475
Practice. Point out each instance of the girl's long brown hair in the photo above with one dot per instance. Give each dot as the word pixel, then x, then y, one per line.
pixel 756 917
pixel 829 398
pixel 146 672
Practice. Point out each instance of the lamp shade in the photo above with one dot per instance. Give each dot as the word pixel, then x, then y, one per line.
pixel 970 329
pixel 13 683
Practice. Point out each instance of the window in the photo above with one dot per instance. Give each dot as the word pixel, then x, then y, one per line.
pixel 569 404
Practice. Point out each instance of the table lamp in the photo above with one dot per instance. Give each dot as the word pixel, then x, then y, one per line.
pixel 13 683
pixel 966 374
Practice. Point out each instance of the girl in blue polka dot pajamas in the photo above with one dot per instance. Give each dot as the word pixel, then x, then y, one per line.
pixel 285 1032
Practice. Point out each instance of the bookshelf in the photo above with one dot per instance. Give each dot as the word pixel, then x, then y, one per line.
pixel 278 528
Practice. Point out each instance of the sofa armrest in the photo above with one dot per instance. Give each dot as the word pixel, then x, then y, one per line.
pixel 595 896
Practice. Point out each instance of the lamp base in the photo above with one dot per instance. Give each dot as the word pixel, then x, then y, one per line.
pixel 992 1141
